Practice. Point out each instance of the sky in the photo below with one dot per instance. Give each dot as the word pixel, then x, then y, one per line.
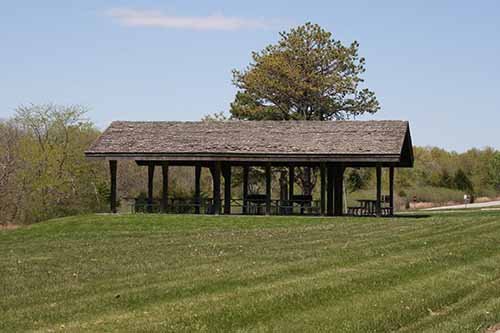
pixel 433 63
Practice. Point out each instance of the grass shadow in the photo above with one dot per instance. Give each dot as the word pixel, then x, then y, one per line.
pixel 413 216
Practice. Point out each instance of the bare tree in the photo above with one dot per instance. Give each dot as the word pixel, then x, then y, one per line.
pixel 9 160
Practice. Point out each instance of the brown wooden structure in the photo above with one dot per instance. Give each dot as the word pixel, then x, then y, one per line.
pixel 332 146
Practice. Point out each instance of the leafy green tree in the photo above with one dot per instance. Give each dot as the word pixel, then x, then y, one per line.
pixel 446 179
pixel 55 177
pixel 357 179
pixel 494 171
pixel 307 75
pixel 462 181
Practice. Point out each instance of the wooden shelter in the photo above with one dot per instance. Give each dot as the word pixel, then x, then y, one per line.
pixel 220 146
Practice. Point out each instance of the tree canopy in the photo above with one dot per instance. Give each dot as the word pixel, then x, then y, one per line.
pixel 494 170
pixel 43 172
pixel 307 75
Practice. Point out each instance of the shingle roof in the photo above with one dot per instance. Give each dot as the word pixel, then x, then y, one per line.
pixel 253 137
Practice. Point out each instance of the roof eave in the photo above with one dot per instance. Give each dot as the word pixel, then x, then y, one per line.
pixel 242 157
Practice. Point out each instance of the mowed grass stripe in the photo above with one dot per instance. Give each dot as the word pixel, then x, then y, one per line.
pixel 410 301
pixel 310 298
pixel 472 306
pixel 271 286
pixel 389 249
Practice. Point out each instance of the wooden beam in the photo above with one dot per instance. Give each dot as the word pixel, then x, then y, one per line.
pixel 151 173
pixel 227 188
pixel 112 199
pixel 216 170
pixel 164 192
pixel 197 188
pixel 329 190
pixel 268 189
pixel 338 206
pixel 378 204
pixel 322 171
pixel 246 171
pixel 274 163
pixel 391 190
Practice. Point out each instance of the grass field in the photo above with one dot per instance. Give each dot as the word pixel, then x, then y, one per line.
pixel 100 273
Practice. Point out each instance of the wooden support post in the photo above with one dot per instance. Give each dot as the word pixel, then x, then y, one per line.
pixel 197 188
pixel 112 171
pixel 151 173
pixel 164 192
pixel 246 171
pixel 268 189
pixel 283 202
pixel 329 190
pixel 216 170
pixel 291 183
pixel 227 188
pixel 338 207
pixel 391 190
pixel 378 203
pixel 322 172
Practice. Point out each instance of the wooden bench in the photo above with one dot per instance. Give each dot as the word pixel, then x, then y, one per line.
pixel 363 211
pixel 356 211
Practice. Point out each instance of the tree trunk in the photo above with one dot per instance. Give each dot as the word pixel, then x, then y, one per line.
pixel 306 179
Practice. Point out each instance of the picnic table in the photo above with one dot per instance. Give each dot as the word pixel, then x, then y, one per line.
pixel 368 207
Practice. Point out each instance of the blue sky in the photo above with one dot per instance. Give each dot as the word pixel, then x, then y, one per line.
pixel 434 63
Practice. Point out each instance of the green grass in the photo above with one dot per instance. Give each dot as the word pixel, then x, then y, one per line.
pixel 187 273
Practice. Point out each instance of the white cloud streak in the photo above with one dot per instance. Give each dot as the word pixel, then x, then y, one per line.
pixel 154 18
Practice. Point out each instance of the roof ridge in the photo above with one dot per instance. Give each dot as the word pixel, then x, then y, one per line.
pixel 258 121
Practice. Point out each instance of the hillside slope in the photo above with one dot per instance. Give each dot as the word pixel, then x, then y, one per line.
pixel 189 273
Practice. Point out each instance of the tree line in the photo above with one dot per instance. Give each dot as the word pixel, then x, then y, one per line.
pixel 439 175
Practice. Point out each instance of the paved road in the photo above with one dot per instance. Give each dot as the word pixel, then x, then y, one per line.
pixel 474 205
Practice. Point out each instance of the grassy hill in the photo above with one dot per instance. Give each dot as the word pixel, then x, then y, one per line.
pixel 182 273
